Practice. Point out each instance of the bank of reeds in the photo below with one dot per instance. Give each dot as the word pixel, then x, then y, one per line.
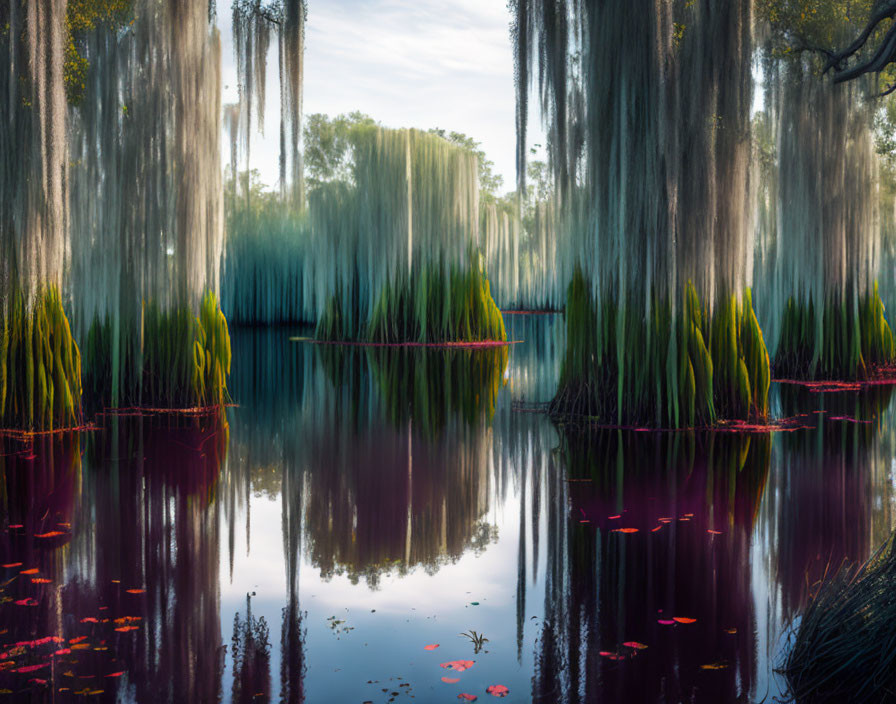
pixel 40 364
pixel 662 368
pixel 844 649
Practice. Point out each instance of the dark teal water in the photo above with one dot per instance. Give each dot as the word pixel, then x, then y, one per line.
pixel 359 505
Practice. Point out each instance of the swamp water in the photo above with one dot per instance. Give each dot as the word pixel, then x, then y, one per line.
pixel 361 504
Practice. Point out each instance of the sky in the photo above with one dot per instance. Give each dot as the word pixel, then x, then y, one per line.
pixel 406 63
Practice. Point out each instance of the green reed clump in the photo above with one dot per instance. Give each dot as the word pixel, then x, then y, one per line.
pixel 433 306
pixel 845 643
pixel 40 364
pixel 168 359
pixel 843 342
pixel 676 370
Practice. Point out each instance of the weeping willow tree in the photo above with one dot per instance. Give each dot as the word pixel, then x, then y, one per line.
pixel 40 363
pixel 397 247
pixel 825 317
pixel 146 139
pixel 647 111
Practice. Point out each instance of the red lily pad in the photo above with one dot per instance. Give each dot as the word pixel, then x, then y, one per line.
pixel 457 665
pixel 432 646
pixel 451 680
pixel 468 697
pixel 497 690
pixel 634 644
pixel 684 619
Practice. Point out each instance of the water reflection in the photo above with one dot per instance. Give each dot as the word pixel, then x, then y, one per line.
pixel 362 503
pixel 130 604
pixel 658 529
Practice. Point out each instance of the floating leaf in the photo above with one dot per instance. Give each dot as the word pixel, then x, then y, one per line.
pixel 625 530
pixel 90 619
pixel 457 665
pixel 135 591
pixel 17 525
pixel 33 570
pixel 79 639
pixel 497 690
pixel 11 565
pixel 714 666
pixel 115 674
pixel 714 532
pixel 634 644
pixel 654 530
pixel 27 602
pixel 51 534
pixel 468 697
pixel 432 646
pixel 613 518
pixel 38 642
pixel 125 629
pixel 32 668
pixel 62 651
pixel 731 631
pixel 684 619
pixel 451 680
pixel 665 622
pixel 40 580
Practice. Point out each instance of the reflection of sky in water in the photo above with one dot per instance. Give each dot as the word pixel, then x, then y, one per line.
pixel 409 479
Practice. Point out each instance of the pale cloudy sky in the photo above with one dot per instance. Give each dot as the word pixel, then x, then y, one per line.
pixel 406 63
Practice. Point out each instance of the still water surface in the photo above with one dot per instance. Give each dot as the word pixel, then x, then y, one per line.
pixel 361 504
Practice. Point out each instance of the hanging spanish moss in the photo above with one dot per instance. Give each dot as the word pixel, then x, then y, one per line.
pixel 40 366
pixel 523 256
pixel 647 112
pixel 253 23
pixel 146 254
pixel 397 256
pixel 826 318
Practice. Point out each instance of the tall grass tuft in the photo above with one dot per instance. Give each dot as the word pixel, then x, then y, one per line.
pixel 664 368
pixel 40 365
pixel 846 341
pixel 845 644
pixel 182 361
pixel 436 305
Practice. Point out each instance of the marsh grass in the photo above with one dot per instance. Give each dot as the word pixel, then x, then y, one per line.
pixel 180 360
pixel 434 305
pixel 665 369
pixel 844 648
pixel 844 343
pixel 40 364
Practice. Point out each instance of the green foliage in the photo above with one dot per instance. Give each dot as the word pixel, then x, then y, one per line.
pixel 668 370
pixel 489 182
pixel 328 146
pixel 40 365
pixel 814 24
pixel 845 342
pixel 182 360
pixel 434 306
pixel 83 17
